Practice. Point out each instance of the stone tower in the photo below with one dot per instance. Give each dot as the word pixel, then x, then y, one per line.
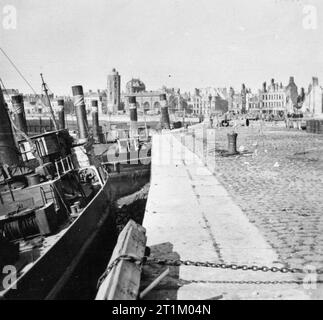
pixel 113 92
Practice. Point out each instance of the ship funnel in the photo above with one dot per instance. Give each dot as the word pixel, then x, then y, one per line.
pixel 80 113
pixel 95 120
pixel 133 116
pixel 165 122
pixel 61 113
pixel 8 151
pixel 19 112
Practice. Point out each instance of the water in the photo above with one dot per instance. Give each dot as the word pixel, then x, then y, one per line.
pixel 82 284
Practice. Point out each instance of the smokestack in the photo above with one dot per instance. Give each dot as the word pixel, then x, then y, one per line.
pixel 133 116
pixel 95 120
pixel 165 122
pixel 19 112
pixel 8 151
pixel 80 113
pixel 61 113
pixel 315 81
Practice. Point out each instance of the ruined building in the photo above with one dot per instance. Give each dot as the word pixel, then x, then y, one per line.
pixel 313 103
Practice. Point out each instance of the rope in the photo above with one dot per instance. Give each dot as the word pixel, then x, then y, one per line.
pixel 22 76
pixel 19 72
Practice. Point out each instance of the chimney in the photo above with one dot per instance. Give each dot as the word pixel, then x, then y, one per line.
pixel 95 120
pixel 80 113
pixel 61 113
pixel 19 112
pixel 315 81
pixel 264 87
pixel 8 151
pixel 133 116
pixel 291 79
pixel 302 94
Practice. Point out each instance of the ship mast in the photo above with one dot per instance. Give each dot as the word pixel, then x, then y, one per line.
pixel 45 88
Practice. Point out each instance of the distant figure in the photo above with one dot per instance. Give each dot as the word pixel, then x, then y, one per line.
pixel 247 122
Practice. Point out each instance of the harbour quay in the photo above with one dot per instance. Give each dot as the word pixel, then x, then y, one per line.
pixel 260 206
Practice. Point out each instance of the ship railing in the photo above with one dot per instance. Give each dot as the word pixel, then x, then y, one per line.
pixel 48 196
pixel 115 163
pixel 64 165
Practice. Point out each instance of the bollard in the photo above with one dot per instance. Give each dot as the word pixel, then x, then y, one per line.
pixel 232 143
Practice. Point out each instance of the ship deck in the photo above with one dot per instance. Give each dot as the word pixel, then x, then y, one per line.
pixel 34 248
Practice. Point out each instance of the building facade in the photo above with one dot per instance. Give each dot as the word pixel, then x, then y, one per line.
pixel 273 98
pixel 313 103
pixel 252 102
pixel 147 101
pixel 208 101
pixel 196 102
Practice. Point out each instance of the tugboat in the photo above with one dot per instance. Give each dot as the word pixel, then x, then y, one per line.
pixel 54 197
pixel 129 153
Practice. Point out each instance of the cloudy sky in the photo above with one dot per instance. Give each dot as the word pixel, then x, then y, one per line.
pixel 181 43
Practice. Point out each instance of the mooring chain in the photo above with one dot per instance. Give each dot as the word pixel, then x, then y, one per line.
pixel 169 262
pixel 178 262
pixel 114 263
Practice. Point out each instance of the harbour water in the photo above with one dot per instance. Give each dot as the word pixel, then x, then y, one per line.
pixel 83 283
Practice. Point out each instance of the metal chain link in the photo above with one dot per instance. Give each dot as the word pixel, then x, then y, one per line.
pixel 257 282
pixel 178 262
pixel 169 262
pixel 114 264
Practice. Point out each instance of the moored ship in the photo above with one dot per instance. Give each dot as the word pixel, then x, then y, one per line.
pixel 54 197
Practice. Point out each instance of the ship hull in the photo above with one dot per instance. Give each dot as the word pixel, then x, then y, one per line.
pixel 48 275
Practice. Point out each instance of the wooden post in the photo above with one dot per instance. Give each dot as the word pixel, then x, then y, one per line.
pixel 123 281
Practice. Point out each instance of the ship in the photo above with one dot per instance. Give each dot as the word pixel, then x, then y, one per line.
pixel 54 198
pixel 57 190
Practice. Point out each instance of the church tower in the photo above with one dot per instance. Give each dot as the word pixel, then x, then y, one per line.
pixel 113 92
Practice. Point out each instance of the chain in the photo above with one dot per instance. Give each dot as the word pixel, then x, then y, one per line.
pixel 177 263
pixel 275 282
pixel 114 264
pixel 169 262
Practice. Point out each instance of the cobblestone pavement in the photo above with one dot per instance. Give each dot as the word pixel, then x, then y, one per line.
pixel 277 181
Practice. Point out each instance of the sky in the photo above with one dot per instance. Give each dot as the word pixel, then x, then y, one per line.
pixel 178 43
